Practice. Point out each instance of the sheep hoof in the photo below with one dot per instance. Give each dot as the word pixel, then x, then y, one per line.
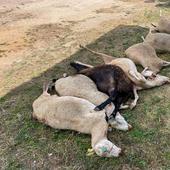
pixel 129 127
pixel 97 108
pixel 122 152
pixel 33 117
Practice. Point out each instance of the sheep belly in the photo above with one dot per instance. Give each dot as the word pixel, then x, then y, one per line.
pixel 66 113
pixel 160 41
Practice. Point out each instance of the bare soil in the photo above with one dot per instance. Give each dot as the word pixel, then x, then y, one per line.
pixel 33 28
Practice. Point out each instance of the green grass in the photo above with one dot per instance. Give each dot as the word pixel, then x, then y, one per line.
pixel 27 144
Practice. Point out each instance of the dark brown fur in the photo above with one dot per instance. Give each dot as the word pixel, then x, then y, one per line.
pixel 107 77
pixel 111 80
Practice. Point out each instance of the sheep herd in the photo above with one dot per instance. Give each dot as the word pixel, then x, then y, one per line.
pixel 91 100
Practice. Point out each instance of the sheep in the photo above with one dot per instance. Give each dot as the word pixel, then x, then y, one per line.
pixel 151 80
pixel 125 64
pixel 145 55
pixel 77 114
pixel 83 87
pixel 130 69
pixel 163 25
pixel 128 66
pixel 111 80
pixel 159 41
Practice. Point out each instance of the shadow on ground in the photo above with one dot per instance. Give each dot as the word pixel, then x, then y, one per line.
pixel 164 4
pixel 27 144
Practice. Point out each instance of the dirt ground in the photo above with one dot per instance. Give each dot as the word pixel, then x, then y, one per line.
pixel 30 29
pixel 38 39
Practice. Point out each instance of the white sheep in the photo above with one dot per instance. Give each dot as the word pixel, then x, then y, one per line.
pixel 159 41
pixel 145 55
pixel 77 114
pixel 163 25
pixel 83 87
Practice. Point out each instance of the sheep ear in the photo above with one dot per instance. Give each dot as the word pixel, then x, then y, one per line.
pixel 154 28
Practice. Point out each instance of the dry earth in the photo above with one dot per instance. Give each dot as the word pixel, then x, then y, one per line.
pixel 30 30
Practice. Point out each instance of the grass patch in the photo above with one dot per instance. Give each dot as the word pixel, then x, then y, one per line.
pixel 27 144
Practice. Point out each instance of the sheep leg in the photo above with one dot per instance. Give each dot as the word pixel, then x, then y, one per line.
pixel 112 98
pixel 144 70
pixel 122 107
pixel 78 66
pixel 133 75
pixel 117 108
pixel 96 53
pixel 45 88
pixel 117 102
pixel 133 104
pixel 137 76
